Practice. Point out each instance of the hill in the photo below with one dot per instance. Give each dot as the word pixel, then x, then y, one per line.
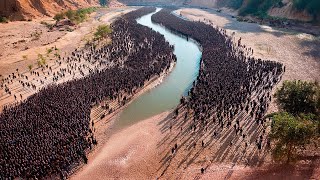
pixel 28 9
pixel 302 10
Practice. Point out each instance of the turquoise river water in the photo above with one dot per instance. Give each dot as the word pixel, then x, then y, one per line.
pixel 177 83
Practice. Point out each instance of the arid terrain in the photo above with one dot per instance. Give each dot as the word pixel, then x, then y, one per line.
pixel 130 157
pixel 141 151
pixel 34 9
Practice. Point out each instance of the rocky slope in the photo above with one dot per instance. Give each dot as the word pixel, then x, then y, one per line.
pixel 28 9
pixel 289 12
pixel 285 10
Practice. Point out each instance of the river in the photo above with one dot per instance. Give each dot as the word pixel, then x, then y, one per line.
pixel 177 83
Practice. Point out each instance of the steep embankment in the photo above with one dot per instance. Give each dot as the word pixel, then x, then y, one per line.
pixel 302 10
pixel 288 11
pixel 28 9
pixel 153 2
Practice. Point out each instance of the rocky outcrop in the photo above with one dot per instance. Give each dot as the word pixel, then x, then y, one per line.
pixel 29 9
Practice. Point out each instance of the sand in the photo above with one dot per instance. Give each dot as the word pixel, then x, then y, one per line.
pixel 11 57
pixel 142 151
pixel 130 153
pixel 19 38
pixel 137 152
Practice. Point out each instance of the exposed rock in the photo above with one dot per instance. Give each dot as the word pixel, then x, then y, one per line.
pixel 65 22
pixel 29 9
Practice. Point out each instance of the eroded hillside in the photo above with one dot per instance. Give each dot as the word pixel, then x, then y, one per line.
pixel 28 9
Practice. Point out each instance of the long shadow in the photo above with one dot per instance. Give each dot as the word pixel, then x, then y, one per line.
pixel 313 49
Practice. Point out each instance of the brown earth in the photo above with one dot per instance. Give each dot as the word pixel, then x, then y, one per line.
pixel 289 12
pixel 20 47
pixel 143 150
pixel 30 9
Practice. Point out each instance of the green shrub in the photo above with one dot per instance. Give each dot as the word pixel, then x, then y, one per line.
pixel 290 134
pixel 102 31
pixel 258 7
pixel 78 16
pixel 299 97
pixel 312 6
pixel 235 4
pixel 3 20
pixel 58 17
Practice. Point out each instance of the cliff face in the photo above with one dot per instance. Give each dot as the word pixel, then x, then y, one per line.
pixel 289 12
pixel 28 9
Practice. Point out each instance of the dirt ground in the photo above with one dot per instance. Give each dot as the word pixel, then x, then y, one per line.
pixel 138 152
pixel 143 151
pixel 15 56
pixel 23 38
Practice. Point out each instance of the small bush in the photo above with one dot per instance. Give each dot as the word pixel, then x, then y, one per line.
pixel 102 31
pixel 49 26
pixel 58 17
pixel 3 20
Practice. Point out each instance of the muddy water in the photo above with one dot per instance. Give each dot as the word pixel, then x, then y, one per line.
pixel 176 84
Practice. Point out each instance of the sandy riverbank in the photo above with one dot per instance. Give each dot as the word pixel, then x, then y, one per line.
pixel 137 152
pixel 299 52
pixel 130 153
pixel 104 129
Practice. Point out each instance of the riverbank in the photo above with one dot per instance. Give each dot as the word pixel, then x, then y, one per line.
pixel 131 153
pixel 299 52
pixel 104 128
pixel 136 153
pixel 54 47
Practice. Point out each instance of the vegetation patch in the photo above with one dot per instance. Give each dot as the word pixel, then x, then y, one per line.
pixel 259 7
pixel 75 16
pixel 312 6
pixel 298 123
pixel 3 20
pixel 102 32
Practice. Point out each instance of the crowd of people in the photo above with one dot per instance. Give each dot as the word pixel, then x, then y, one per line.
pixel 50 132
pixel 233 89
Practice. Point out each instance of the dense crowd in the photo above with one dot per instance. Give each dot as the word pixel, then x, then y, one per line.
pixel 49 133
pixel 231 86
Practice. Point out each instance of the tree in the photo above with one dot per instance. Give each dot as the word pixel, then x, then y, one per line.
pixel 312 6
pixel 102 31
pixel 103 2
pixel 290 134
pixel 299 97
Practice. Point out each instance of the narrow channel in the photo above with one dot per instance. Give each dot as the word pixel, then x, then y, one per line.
pixel 166 95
